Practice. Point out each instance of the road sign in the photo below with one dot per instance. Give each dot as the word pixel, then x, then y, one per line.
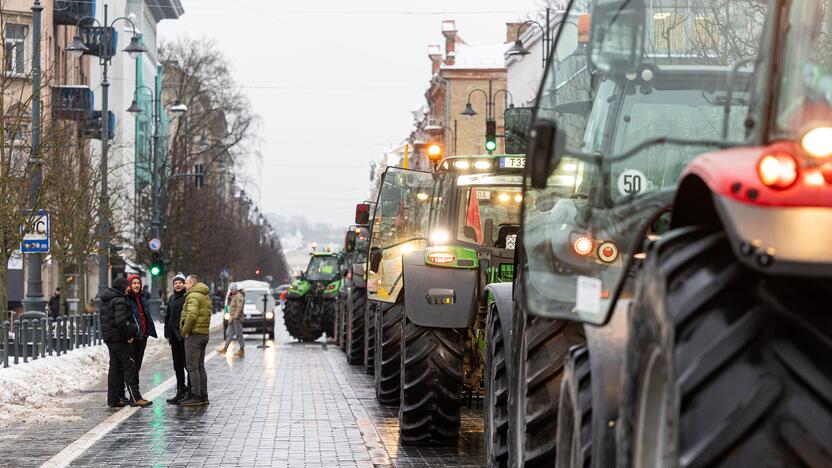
pixel 154 244
pixel 36 233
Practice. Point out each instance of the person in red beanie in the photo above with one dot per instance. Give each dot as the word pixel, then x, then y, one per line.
pixel 143 318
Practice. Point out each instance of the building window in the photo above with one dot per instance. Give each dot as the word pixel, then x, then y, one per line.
pixel 14 149
pixel 14 51
pixel 199 175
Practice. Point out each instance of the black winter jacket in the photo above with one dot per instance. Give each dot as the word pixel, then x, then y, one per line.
pixel 174 315
pixel 117 322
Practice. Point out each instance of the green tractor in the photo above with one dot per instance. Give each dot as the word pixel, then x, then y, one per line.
pixel 442 243
pixel 309 311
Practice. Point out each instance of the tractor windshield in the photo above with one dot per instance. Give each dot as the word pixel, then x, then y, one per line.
pixel 322 268
pixel 627 127
pixel 490 215
pixel 805 95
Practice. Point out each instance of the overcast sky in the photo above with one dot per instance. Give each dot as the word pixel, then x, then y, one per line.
pixel 334 84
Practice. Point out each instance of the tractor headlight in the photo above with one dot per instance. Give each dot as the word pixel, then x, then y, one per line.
pixel 269 315
pixel 439 237
pixel 227 317
pixel 818 142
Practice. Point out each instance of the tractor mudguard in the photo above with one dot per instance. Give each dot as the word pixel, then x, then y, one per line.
pixel 607 345
pixel 504 303
pixel 438 297
pixel 772 231
pixel 359 278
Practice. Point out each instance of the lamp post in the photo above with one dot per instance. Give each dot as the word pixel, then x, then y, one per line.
pixel 35 303
pixel 134 49
pixel 490 111
pixel 518 50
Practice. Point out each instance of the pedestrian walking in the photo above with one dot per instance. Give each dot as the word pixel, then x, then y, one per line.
pixel 143 318
pixel 118 329
pixel 173 333
pixel 236 305
pixel 195 322
pixel 55 304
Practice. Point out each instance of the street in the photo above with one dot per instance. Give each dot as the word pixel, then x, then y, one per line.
pixel 296 404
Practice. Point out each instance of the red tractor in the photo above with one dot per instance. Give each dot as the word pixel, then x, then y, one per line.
pixel 672 295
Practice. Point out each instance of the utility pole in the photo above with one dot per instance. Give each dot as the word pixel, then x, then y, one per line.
pixel 35 303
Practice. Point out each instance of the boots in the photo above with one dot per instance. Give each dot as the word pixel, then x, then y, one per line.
pixel 181 394
pixel 222 350
pixel 240 353
pixel 141 402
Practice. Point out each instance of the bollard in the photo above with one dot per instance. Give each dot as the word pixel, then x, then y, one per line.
pixel 6 343
pixel 16 330
pixel 70 332
pixel 24 335
pixel 77 331
pixel 50 343
pixel 59 335
pixel 43 335
pixel 96 329
pixel 35 335
pixel 83 330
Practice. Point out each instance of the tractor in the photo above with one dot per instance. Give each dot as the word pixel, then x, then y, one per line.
pixel 668 306
pixel 309 311
pixel 440 241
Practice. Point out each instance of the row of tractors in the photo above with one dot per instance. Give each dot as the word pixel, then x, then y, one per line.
pixel 645 286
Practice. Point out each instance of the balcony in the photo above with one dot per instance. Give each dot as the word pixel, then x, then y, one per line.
pixel 69 12
pixel 93 38
pixel 72 102
pixel 92 126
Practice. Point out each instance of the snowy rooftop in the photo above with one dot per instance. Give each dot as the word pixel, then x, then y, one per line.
pixel 478 56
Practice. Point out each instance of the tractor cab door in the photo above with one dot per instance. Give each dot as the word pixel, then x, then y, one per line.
pixel 400 225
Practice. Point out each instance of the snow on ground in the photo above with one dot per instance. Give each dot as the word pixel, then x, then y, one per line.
pixel 36 392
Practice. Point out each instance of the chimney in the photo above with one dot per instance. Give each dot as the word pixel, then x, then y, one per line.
pixel 449 31
pixel 435 54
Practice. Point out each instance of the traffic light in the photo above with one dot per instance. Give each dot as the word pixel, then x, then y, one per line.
pixel 490 135
pixel 257 272
pixel 156 266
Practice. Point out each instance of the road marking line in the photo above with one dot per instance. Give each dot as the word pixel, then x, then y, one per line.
pixel 83 443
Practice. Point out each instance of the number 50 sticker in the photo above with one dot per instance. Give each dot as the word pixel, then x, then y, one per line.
pixel 632 182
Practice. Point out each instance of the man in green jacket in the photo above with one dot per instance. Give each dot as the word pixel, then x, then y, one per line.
pixel 196 319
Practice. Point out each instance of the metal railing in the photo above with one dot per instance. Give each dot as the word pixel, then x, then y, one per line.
pixel 24 340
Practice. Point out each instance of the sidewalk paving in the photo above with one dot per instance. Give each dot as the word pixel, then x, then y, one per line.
pixel 294 404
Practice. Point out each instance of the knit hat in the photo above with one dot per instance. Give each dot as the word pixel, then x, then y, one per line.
pixel 180 277
pixel 132 277
pixel 120 284
pixel 233 287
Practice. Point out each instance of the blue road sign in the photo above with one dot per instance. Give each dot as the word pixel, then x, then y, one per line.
pixel 36 233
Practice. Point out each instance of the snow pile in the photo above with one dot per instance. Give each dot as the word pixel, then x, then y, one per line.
pixel 38 391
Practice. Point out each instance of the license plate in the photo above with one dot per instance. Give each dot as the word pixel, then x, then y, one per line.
pixel 512 163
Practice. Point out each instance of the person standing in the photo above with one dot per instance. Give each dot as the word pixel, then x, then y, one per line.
pixel 174 335
pixel 236 305
pixel 143 318
pixel 55 304
pixel 118 330
pixel 195 322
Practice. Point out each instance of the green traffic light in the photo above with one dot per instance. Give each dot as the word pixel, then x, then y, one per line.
pixel 155 270
pixel 490 145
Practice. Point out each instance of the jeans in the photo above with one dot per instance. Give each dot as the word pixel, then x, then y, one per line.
pixel 177 350
pixel 235 327
pixel 195 363
pixel 122 371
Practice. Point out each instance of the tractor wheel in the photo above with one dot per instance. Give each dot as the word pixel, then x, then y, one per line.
pixel 337 330
pixel 328 319
pixel 370 336
pixel 293 318
pixel 496 393
pixel 432 378
pixel 725 366
pixel 355 327
pixel 343 328
pixel 574 431
pixel 388 360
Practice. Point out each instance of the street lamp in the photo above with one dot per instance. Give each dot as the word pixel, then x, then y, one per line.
pixel 134 49
pixel 520 51
pixel 490 118
pixel 179 109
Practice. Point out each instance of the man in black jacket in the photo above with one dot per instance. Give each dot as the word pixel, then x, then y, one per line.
pixel 174 336
pixel 118 328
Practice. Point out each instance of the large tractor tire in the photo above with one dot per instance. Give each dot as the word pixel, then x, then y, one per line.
pixel 355 327
pixel 342 330
pixel 296 325
pixel 539 350
pixel 725 366
pixel 370 336
pixel 328 319
pixel 574 431
pixel 388 356
pixel 432 378
pixel 496 393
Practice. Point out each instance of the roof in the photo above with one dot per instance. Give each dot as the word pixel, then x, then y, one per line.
pixel 477 56
pixel 165 9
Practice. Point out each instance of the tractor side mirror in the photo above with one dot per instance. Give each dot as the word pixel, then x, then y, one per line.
pixel 349 241
pixel 542 156
pixel 617 35
pixel 470 232
pixel 362 213
pixel 488 232
pixel 375 258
